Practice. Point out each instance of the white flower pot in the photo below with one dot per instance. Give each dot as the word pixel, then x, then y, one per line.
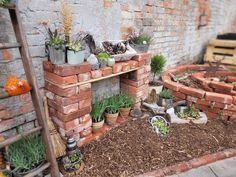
pixel 75 58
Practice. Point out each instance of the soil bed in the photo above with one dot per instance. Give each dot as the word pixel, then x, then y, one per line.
pixel 133 148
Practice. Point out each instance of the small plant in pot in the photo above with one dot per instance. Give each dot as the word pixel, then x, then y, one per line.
pixel 26 155
pixel 140 42
pixel 55 47
pixel 98 109
pixel 112 110
pixel 157 65
pixel 125 102
pixel 75 54
pixel 165 99
pixel 103 59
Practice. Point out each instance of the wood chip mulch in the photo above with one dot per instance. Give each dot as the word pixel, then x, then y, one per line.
pixel 134 148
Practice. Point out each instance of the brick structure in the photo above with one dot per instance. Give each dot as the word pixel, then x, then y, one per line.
pixel 173 25
pixel 216 99
pixel 69 92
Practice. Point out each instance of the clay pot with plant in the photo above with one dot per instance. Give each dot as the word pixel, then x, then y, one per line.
pixel 98 109
pixel 75 54
pixel 140 42
pixel 125 103
pixel 165 99
pixel 26 155
pixel 157 65
pixel 112 110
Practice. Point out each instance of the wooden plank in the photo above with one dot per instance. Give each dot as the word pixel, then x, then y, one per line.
pixel 222 43
pixel 9 45
pixel 36 172
pixel 18 137
pixel 35 93
pixel 223 59
pixel 223 51
pixel 92 80
pixel 8 6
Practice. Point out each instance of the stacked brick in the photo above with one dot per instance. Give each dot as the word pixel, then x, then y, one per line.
pixel 68 90
pixel 215 105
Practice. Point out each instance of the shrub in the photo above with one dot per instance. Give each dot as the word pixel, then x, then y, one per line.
pixel 26 154
pixel 112 104
pixel 157 64
pixel 98 108
pixel 125 101
pixel 166 94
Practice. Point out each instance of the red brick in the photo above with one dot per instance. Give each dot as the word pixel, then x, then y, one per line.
pixel 60 80
pixel 230 107
pixel 217 97
pixel 137 77
pixel 207 108
pixel 234 100
pixel 125 66
pixel 192 91
pixel 84 103
pixel 116 68
pixel 179 95
pixel 84 119
pixel 96 74
pixel 142 56
pixel 48 66
pixel 211 115
pixel 229 113
pixel 221 86
pixel 106 71
pixel 172 85
pixel 64 109
pixel 141 63
pixel 203 161
pixel 231 79
pixel 60 91
pixel 86 132
pixel 125 29
pixel 133 64
pixel 66 125
pixel 84 77
pixel 132 83
pixel 85 87
pixel 4 114
pixel 211 104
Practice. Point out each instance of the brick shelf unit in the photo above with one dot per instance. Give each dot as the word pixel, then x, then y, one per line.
pixel 68 89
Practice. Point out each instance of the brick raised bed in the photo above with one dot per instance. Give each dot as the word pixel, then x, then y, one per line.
pixel 215 105
pixel 68 89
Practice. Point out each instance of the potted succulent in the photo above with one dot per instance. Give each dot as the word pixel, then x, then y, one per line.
pixel 160 125
pixel 75 55
pixel 112 110
pixel 140 42
pixel 125 102
pixel 26 155
pixel 98 109
pixel 165 99
pixel 157 65
pixel 103 59
pixel 55 47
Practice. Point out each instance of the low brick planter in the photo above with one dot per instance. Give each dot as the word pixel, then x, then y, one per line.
pixel 194 163
pixel 215 105
pixel 68 89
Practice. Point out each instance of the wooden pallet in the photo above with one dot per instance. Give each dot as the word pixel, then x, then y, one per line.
pixel 223 51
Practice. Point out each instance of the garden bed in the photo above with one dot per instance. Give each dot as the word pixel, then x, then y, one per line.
pixel 133 148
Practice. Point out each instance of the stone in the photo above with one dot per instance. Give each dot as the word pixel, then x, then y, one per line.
pixel 93 61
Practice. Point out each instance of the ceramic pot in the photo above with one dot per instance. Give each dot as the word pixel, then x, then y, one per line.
pixel 167 103
pixel 140 48
pixel 56 56
pixel 124 112
pixel 96 127
pixel 75 58
pixel 111 61
pixel 111 118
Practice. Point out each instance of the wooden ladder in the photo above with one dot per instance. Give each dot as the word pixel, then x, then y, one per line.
pixel 35 94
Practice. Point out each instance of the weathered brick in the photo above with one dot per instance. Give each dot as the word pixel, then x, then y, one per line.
pixel 84 77
pixel 96 74
pixel 217 97
pixel 125 66
pixel 85 103
pixel 106 71
pixel 116 68
pixel 59 79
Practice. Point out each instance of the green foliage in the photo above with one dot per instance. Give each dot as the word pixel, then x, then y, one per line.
pixel 113 104
pixel 26 154
pixel 166 94
pixel 125 101
pixel 75 46
pixel 103 56
pixel 4 2
pixel 157 64
pixel 161 126
pixel 97 110
pixel 55 39
pixel 141 39
pixel 72 162
pixel 190 113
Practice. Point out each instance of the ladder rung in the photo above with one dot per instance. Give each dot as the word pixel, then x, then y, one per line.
pixel 42 168
pixel 8 6
pixel 18 137
pixel 9 45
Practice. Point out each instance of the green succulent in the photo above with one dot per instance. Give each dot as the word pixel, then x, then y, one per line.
pixel 141 39
pixel 103 56
pixel 190 113
pixel 160 124
pixel 166 94
pixel 75 46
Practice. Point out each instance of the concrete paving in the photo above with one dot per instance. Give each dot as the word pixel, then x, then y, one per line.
pixel 223 168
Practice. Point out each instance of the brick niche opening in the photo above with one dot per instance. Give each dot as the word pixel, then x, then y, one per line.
pixel 68 89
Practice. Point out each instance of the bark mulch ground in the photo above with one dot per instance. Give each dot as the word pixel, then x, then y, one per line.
pixel 133 148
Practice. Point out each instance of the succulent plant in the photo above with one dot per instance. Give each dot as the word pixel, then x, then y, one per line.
pixel 75 46
pixel 103 56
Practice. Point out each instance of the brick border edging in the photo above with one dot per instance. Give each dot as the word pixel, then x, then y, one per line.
pixel 194 163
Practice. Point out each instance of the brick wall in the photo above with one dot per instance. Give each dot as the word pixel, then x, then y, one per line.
pixel 173 24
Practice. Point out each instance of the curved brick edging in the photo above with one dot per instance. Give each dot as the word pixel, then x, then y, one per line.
pixel 213 104
pixel 194 163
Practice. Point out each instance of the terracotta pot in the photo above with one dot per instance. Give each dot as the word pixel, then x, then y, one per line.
pixel 21 174
pixel 111 118
pixel 124 112
pixel 97 126
pixel 73 173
